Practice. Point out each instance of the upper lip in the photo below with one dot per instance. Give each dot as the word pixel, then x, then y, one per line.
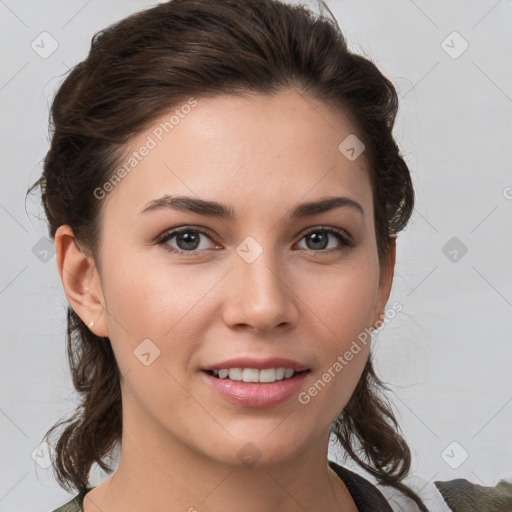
pixel 259 364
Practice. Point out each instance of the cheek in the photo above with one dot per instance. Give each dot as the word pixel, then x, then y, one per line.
pixel 159 303
pixel 163 305
pixel 152 298
pixel 343 308
pixel 344 298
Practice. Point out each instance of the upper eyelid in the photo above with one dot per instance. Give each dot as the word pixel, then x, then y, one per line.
pixel 344 232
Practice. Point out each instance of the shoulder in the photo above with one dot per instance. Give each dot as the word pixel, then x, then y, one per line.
pixel 458 495
pixel 377 497
pixel 462 495
pixel 366 495
pixel 75 504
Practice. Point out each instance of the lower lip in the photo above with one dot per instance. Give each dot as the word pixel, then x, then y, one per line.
pixel 251 394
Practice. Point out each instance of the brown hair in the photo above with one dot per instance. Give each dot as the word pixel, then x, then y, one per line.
pixel 149 62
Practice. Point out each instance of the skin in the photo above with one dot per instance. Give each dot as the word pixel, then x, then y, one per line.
pixel 262 156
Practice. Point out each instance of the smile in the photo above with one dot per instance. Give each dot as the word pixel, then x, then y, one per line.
pixel 254 375
pixel 256 393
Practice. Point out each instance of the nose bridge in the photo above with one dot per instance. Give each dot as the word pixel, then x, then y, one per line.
pixel 259 294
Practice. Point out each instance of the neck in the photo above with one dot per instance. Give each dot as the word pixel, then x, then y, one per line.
pixel 159 470
pixel 207 486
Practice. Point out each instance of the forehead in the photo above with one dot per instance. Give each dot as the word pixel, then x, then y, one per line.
pixel 252 150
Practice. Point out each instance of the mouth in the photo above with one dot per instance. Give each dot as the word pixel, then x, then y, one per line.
pixel 249 387
pixel 255 376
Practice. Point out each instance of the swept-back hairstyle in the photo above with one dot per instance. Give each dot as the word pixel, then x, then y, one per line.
pixel 152 61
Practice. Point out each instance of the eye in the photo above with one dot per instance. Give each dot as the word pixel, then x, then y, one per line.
pixel 187 239
pixel 318 239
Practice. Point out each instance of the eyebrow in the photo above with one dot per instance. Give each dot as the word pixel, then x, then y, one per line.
pixel 214 209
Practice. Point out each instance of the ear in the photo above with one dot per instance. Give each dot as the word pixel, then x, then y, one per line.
pixel 81 281
pixel 387 269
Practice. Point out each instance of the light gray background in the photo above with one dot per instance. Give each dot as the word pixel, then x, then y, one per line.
pixel 447 355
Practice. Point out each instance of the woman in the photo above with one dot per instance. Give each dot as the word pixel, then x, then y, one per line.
pixel 224 192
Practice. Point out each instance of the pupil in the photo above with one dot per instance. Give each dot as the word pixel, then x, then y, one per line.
pixel 318 239
pixel 186 238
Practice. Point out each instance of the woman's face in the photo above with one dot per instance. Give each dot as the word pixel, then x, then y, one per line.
pixel 263 283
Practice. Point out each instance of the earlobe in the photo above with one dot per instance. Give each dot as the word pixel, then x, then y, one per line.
pixel 81 281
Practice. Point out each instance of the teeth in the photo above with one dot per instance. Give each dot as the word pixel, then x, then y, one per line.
pixel 281 373
pixel 254 375
pixel 288 373
pixel 248 375
pixel 235 373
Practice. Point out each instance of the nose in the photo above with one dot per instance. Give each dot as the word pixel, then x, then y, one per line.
pixel 259 295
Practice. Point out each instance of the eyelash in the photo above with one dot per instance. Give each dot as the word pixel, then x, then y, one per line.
pixel 346 242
